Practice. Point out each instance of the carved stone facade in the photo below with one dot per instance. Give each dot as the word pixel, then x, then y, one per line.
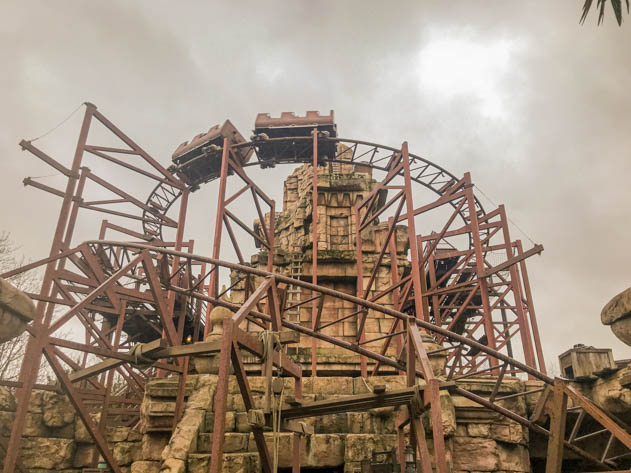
pixel 340 187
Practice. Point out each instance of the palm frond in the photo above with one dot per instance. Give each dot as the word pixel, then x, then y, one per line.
pixel 600 6
pixel 601 14
pixel 586 6
pixel 617 9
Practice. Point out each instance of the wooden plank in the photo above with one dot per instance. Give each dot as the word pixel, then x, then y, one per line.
pixel 421 445
pixel 421 353
pixel 558 415
pixel 198 348
pixel 356 402
pixel 249 304
pixel 105 365
pixel 252 344
pixel 541 404
pixel 248 401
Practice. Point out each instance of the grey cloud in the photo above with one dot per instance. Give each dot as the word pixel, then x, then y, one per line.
pixel 165 71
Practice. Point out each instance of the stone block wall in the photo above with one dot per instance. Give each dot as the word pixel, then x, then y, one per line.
pixel 477 439
pixel 55 438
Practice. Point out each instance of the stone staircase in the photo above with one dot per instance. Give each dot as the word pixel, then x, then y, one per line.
pixel 340 441
pixel 476 439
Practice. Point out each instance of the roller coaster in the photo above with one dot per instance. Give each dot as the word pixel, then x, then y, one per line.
pixel 143 296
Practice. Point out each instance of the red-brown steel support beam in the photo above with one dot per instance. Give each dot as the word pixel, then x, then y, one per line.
pixel 35 345
pixel 221 397
pixel 431 394
pixel 314 251
pixel 414 253
pixel 479 262
pixel 137 149
pixel 75 399
pixel 515 284
pixel 335 294
pixel 109 381
pixel 160 298
pixel 400 425
pixel 359 257
pixel 221 207
pixel 531 309
pixel 415 346
pixel 296 438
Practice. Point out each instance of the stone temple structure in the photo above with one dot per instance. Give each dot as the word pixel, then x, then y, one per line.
pixel 340 187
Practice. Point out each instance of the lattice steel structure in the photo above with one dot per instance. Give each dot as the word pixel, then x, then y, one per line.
pixel 138 301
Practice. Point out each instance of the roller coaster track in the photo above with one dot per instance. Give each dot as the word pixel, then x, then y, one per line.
pixel 375 156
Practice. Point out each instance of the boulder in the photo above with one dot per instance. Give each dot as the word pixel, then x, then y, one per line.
pixel 6 422
pixel 232 463
pixel 183 441
pixel 202 397
pixel 56 409
pixel 34 426
pixel 365 385
pixel 437 358
pixel 242 423
pixel 331 424
pixel 167 387
pixel 617 314
pixel 509 432
pixel 324 450
pixel 126 452
pixel 117 433
pixel 333 385
pixel 381 421
pixel 145 467
pixel 613 393
pixel 173 465
pixel 47 453
pixel 153 444
pixel 7 401
pixel 513 458
pixel 235 442
pixel 448 414
pixel 284 442
pixel 184 438
pixel 360 446
pixel 475 454
pixel 16 311
pixel 81 434
pixel 478 429
pixel 83 456
pixel 229 426
pixel 359 422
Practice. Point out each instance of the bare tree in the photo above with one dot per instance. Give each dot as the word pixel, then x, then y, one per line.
pixel 12 351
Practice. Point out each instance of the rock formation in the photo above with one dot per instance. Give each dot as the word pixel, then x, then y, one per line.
pixel 617 314
pixel 16 311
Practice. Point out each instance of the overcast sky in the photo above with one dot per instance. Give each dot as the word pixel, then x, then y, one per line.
pixel 534 105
